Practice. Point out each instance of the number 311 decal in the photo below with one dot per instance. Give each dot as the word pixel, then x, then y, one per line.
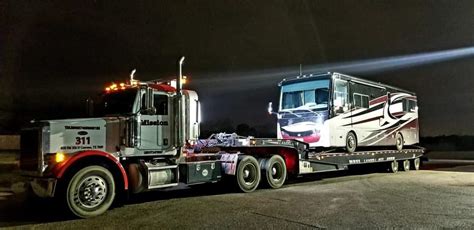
pixel 83 140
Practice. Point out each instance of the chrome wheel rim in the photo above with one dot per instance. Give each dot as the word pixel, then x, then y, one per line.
pixel 277 171
pixel 91 192
pixel 250 174
pixel 351 142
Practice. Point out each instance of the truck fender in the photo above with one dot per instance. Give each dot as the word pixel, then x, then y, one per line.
pixel 60 169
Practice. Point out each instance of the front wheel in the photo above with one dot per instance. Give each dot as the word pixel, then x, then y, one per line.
pixel 90 192
pixel 351 142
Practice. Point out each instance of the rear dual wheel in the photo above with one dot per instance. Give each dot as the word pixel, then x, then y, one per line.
pixel 399 141
pixel 274 170
pixel 248 173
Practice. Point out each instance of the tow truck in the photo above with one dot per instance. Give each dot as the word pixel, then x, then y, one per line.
pixel 147 139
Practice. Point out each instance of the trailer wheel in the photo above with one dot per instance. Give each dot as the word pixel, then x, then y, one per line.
pixel 274 170
pixel 393 167
pixel 248 174
pixel 406 165
pixel 90 192
pixel 399 141
pixel 415 164
pixel 351 142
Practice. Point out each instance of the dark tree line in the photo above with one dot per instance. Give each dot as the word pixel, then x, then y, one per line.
pixel 452 142
pixel 227 126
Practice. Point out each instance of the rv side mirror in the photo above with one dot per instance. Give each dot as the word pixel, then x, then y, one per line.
pixel 270 108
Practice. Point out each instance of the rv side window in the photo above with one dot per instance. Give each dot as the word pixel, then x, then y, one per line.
pixel 409 106
pixel 361 101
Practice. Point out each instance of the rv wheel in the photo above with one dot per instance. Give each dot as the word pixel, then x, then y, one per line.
pixel 399 141
pixel 351 142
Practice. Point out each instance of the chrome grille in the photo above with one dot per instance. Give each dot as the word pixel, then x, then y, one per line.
pixel 30 152
pixel 299 134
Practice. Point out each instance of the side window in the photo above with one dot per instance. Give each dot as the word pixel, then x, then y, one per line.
pixel 409 106
pixel 361 101
pixel 322 96
pixel 160 102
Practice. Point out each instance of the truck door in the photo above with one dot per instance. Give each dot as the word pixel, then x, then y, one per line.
pixel 155 129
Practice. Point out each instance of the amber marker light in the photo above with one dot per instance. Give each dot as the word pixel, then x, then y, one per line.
pixel 60 157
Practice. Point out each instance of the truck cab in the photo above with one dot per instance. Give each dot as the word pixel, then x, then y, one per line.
pixel 152 111
pixel 134 142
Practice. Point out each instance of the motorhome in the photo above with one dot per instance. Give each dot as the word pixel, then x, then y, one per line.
pixel 338 110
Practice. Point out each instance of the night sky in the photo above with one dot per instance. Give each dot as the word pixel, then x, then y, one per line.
pixel 53 55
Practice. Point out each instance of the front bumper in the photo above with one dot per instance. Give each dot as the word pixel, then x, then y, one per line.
pixel 44 187
pixel 308 139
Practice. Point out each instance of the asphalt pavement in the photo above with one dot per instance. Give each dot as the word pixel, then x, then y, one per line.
pixel 441 195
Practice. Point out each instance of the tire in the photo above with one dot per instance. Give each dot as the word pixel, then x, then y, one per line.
pixel 399 141
pixel 405 165
pixel 393 167
pixel 274 170
pixel 248 174
pixel 415 163
pixel 351 142
pixel 90 191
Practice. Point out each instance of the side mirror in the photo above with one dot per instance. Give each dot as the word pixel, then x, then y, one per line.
pixel 148 111
pixel 270 108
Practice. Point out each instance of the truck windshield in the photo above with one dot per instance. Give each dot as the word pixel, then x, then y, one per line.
pixel 305 95
pixel 120 102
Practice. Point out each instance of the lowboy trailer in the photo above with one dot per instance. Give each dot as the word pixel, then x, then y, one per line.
pixel 146 138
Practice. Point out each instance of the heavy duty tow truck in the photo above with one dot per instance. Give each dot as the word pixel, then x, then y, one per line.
pixel 147 138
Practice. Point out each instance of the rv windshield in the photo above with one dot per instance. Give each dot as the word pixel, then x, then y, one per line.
pixel 120 102
pixel 305 95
